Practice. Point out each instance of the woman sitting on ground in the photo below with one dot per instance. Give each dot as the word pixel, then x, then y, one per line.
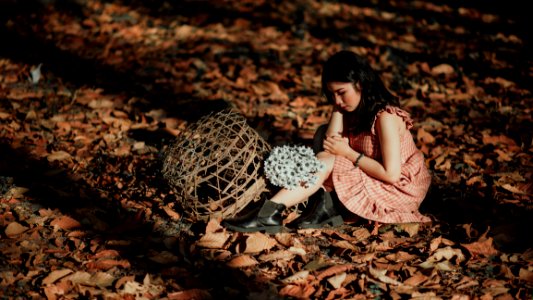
pixel 373 166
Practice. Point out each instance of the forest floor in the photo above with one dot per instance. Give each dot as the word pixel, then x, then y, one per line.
pixel 93 92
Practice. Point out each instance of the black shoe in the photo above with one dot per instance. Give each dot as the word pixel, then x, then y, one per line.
pixel 268 218
pixel 321 213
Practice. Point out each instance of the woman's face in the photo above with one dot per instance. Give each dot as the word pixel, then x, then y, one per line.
pixel 345 95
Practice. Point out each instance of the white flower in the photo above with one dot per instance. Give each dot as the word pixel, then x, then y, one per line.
pixel 292 166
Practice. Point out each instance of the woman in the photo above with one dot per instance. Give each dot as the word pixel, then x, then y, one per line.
pixel 372 163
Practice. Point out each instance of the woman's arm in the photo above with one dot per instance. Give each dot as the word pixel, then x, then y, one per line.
pixel 388 129
pixel 335 126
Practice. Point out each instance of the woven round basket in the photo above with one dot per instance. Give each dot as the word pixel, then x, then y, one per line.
pixel 215 166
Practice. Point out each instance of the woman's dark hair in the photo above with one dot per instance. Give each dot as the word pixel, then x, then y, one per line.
pixel 346 66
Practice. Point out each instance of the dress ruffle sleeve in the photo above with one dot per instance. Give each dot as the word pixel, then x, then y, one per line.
pixel 406 117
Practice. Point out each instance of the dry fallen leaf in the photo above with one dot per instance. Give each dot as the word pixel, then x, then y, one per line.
pixel 196 294
pixel 466 282
pixel 436 242
pixel 213 240
pixel 299 277
pixel 171 213
pixel 56 275
pixel 99 279
pixel 81 277
pixel 513 189
pixel 102 279
pixel 526 275
pixel 51 292
pixel 14 229
pixel 120 283
pixel 4 115
pixel 416 279
pixel 361 234
pixel 410 228
pixel 381 275
pixel 101 103
pixel 16 192
pixel 65 223
pixel 337 280
pixel 58 156
pixel 285 255
pixel 257 242
pixel 242 261
pixel 345 245
pixel 297 291
pixel 425 137
pixel 483 246
pixel 213 225
pixel 146 289
pixel 108 253
pixel 442 69
pixel 333 270
pixel 442 259
pixel 106 264
pixel 400 256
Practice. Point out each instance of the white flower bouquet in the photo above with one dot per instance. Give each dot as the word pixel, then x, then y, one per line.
pixel 292 166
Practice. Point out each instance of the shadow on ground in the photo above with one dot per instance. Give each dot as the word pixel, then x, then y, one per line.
pixel 454 206
pixel 105 220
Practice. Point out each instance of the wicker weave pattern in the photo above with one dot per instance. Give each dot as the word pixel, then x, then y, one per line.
pixel 215 165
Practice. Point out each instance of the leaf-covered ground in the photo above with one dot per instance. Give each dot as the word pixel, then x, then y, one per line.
pixel 92 93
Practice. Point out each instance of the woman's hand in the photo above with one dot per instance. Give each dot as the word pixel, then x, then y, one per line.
pixel 338 145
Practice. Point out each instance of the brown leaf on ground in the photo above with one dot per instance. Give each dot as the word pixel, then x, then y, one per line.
pixel 56 275
pixel 526 275
pixel 16 192
pixel 99 279
pixel 284 255
pixel 4 115
pixel 333 270
pixel 442 69
pixel 381 275
pixel 483 246
pixel 196 294
pixel 106 264
pixel 400 256
pixel 425 137
pixel 416 279
pixel 242 261
pixel 345 245
pixel 213 240
pixel 410 228
pixel 171 213
pixel 108 253
pixel 58 155
pixel 297 278
pixel 65 223
pixel 337 280
pixel 296 291
pixel 258 242
pixel 120 283
pixel 13 229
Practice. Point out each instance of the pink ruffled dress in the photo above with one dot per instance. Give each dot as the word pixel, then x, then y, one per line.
pixel 376 200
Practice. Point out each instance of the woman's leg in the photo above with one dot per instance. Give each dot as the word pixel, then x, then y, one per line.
pixel 269 216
